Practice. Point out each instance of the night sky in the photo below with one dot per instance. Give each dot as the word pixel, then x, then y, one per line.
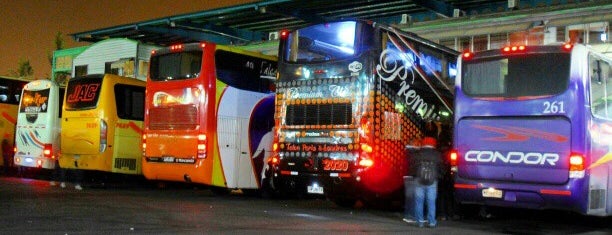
pixel 28 27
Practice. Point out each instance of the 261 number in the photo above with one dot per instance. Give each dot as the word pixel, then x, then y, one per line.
pixel 554 107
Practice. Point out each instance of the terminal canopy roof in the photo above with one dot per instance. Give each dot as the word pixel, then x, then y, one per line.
pixel 253 22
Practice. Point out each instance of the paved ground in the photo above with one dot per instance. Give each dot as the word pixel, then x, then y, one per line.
pixel 30 206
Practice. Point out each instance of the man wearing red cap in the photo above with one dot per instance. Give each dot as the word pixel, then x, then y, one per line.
pixel 426 166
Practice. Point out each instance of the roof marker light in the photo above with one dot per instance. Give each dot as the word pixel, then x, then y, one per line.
pixel 284 34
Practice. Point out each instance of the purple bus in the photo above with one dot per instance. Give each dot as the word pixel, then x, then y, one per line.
pixel 533 129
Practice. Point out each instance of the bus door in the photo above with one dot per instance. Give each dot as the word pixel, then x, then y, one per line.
pixel 129 101
pixel 235 108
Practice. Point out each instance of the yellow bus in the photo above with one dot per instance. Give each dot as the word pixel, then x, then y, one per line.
pixel 10 92
pixel 102 124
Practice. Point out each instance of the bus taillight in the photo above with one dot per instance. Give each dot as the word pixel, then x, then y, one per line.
pixel 274 160
pixel 576 162
pixel 201 146
pixel 103 135
pixel 366 148
pixel 568 46
pixel 144 143
pixel 366 162
pixel 452 158
pixel 48 151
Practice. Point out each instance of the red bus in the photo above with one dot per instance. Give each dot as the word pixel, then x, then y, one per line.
pixel 208 115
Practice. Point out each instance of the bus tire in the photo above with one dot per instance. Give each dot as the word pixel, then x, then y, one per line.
pixel 344 202
pixel 7 156
pixel 219 191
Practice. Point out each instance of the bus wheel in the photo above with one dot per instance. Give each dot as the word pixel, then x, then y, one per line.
pixel 219 191
pixel 268 190
pixel 7 157
pixel 344 202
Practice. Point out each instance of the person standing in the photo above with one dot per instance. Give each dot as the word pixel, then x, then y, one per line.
pixel 426 165
pixel 409 182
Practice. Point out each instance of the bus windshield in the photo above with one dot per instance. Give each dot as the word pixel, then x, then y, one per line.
pixel 83 93
pixel 34 101
pixel 322 42
pixel 176 66
pixel 516 76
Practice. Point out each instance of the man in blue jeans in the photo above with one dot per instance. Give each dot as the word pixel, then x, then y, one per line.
pixel 409 183
pixel 426 188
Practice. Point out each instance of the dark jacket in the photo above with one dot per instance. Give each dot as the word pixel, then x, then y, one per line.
pixel 426 154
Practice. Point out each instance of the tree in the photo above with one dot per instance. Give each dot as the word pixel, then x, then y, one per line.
pixel 24 69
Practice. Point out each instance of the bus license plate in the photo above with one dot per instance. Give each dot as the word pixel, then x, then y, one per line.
pixel 491 192
pixel 315 189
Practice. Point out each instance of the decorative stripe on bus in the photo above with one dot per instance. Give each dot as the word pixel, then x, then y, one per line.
pixel 131 125
pixel 516 134
pixel 603 160
pixel 466 186
pixel 556 192
pixel 9 118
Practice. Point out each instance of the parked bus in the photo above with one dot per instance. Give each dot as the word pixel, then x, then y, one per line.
pixel 10 92
pixel 38 125
pixel 350 96
pixel 209 116
pixel 102 124
pixel 533 128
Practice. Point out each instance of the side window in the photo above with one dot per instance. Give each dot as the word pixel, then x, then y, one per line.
pixel 10 91
pixel 601 87
pixel 245 72
pixel 4 94
pixel 80 70
pixel 62 92
pixel 130 102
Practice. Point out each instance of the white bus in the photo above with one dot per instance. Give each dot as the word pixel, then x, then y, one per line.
pixel 38 125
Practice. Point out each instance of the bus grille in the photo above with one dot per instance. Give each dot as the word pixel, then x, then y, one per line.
pixel 120 163
pixel 319 114
pixel 597 199
pixel 176 117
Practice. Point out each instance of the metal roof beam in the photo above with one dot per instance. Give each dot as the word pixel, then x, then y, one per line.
pixel 308 16
pixel 190 34
pixel 439 7
pixel 233 33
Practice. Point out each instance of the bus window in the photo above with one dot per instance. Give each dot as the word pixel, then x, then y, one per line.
pixel 61 101
pixel 83 93
pixel 130 102
pixel 34 101
pixel 10 92
pixel 601 88
pixel 4 94
pixel 183 65
pixel 238 70
pixel 507 77
pixel 323 42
